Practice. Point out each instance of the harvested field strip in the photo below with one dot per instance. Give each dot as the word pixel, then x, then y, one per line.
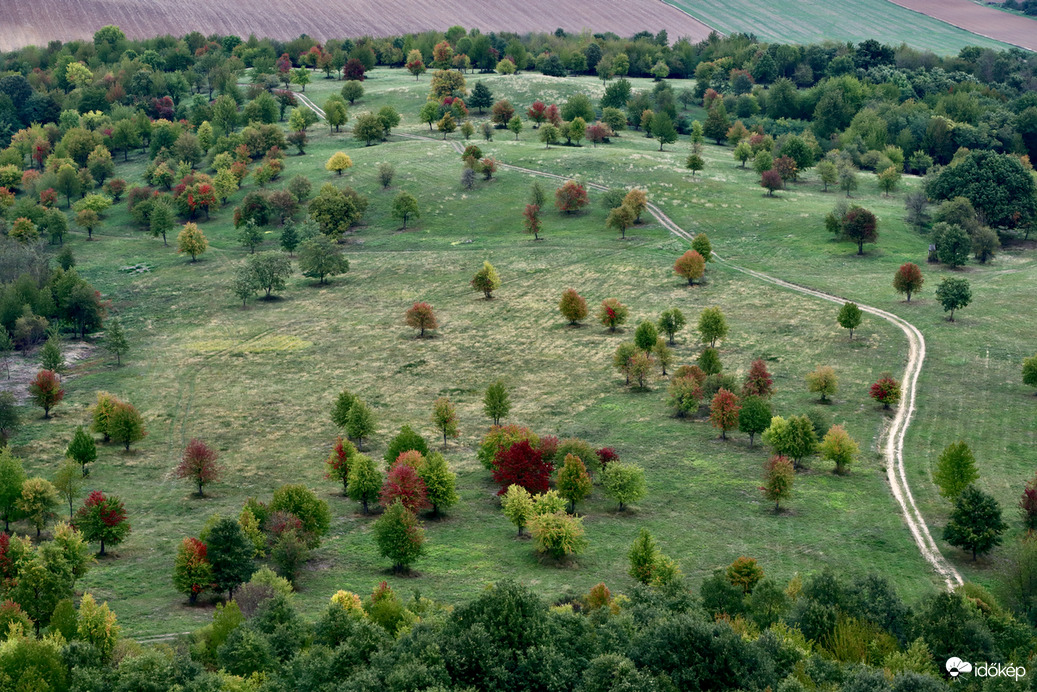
pixel 812 21
pixel 980 19
pixel 40 22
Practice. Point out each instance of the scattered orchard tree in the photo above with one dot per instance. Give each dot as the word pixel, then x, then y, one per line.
pixel 497 401
pixel 45 391
pixel 521 464
pixel 701 245
pixel 421 317
pixel 68 481
pixel 103 520
pixel 955 470
pixel 758 381
pixel 572 306
pixel 823 381
pixel 778 477
pixel 404 485
pixel 574 483
pixel 364 481
pixel 115 340
pixel 230 555
pixel 192 572
pixel 723 412
pixel 954 294
pixel 712 326
pixel 663 354
pixel 975 524
pixel 886 391
pixel 690 266
pixel 486 280
pixel 624 483
pixel 405 206
pixel 860 226
pixel 850 317
pixel 360 423
pixel 685 394
pixel 645 336
pixel 754 417
pixel 320 257
pixel 620 219
pixel 838 447
pixel 12 478
pixel 570 197
pixel 612 313
pixel 709 361
pixel 517 505
pixel 271 271
pixel 198 464
pixel 908 279
pixel 340 411
pixel 339 461
pixel 37 502
pixel 444 415
pixel 440 483
pixel 1030 371
pixel 640 367
pixel 770 180
pixel 953 244
pixel 621 359
pixel 558 535
pixel 531 220
pixel 338 163
pixel 1028 505
pixel 794 438
pixel 191 241
pixel 671 322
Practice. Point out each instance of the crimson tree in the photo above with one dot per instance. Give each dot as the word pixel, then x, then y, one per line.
pixel 723 411
pixel 886 391
pixel 199 465
pixel 758 381
pixel 102 520
pixel 45 391
pixel 521 464
pixel 404 485
pixel 420 316
pixel 571 197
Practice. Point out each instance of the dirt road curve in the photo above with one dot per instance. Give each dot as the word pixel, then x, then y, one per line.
pixel 893 437
pixel 979 19
pixel 44 20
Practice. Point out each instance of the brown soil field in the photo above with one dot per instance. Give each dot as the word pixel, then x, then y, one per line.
pixel 979 19
pixel 39 21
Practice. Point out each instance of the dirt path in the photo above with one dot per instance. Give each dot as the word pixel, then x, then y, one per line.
pixel 893 437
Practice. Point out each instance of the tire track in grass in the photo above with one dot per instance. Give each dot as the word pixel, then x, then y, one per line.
pixel 893 437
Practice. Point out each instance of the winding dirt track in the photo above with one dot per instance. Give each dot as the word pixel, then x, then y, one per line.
pixel 893 437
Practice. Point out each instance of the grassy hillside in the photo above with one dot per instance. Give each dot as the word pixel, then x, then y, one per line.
pixel 838 20
pixel 258 383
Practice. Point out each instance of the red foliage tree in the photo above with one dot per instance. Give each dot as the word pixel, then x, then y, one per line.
pixel 354 70
pixel 102 520
pixel 723 411
pixel 758 381
pixel 338 462
pixel 598 133
pixel 280 522
pixel 606 455
pixel 531 220
pixel 199 465
pixel 48 197
pixel 284 64
pixel 571 197
pixel 690 265
pixel 522 465
pixel 404 484
pixel 771 181
pixel 886 391
pixel 786 168
pixel 8 572
pixel 908 279
pixel 553 115
pixel 45 390
pixel 421 316
pixel 537 113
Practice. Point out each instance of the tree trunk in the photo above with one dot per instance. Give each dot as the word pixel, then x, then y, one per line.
pixel 102 547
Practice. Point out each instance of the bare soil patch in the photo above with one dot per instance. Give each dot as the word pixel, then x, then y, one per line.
pixel 979 19
pixel 39 22
pixel 25 366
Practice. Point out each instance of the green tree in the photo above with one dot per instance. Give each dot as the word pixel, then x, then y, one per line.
pixel 444 415
pixel 335 112
pixel 955 470
pixel 367 128
pixel 11 479
pixel 50 355
pixel 794 438
pixel 515 125
pixel 828 172
pixel 364 480
pixel 850 317
pixel 37 502
pixel 126 425
pixel 44 579
pixel 320 257
pixel 975 524
pixel 271 270
pixel 888 180
pixel 245 283
pixel 712 326
pixel 663 129
pixel 517 505
pixel 230 555
pixel 399 537
pixel 115 340
pixel 440 483
pixel 838 447
pixel 701 245
pixel 743 152
pixel 1030 371
pixel 312 512
pixel 624 483
pixel 352 91
pixel 645 336
pixel 644 557
pixel 671 322
pixel 717 123
pixel 82 449
pixel 343 404
pixel 404 206
pixel 574 483
pixel 360 423
pixel 778 476
pixel 10 418
pixel 952 244
pixel 823 380
pixel 250 236
pixel 755 416
pixel 486 280
pixel 954 294
pixel 497 402
pixel 68 482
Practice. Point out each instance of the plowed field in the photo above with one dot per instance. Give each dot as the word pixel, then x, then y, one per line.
pixel 37 22
pixel 980 19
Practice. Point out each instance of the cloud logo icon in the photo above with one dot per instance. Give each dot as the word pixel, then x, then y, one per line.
pixel 955 666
